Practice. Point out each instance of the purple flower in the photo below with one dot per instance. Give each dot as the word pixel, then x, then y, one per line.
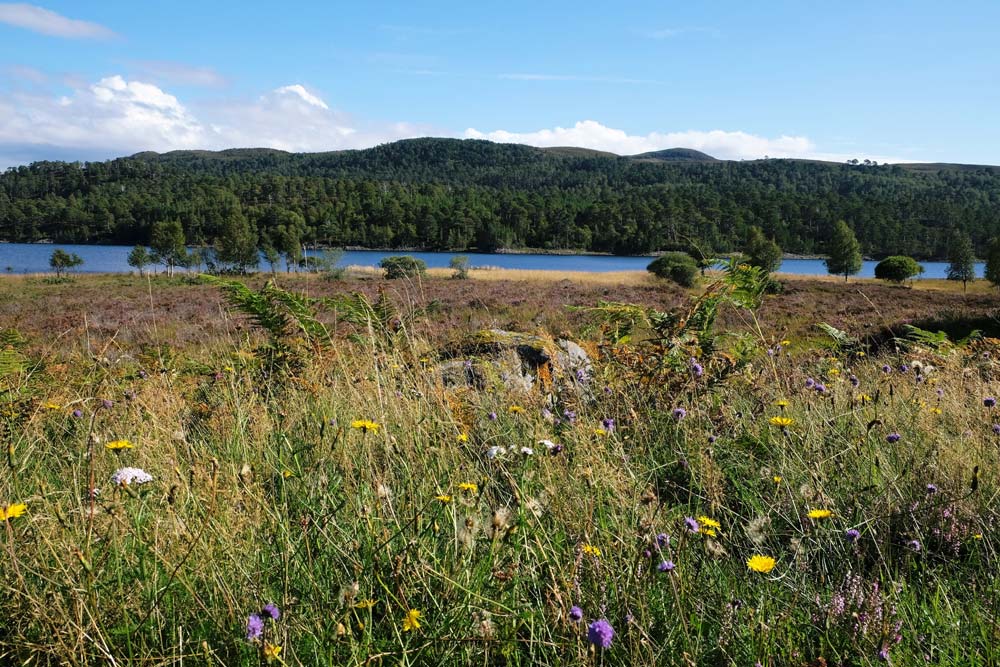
pixel 600 633
pixel 662 540
pixel 932 489
pixel 271 610
pixel 855 381
pixel 711 439
pixel 691 524
pixel 996 429
pixel 581 375
pixel 143 375
pixel 939 392
pixel 608 424
pixel 607 391
pixel 904 369
pixel 570 416
pixel 106 404
pixel 989 402
pixel 696 368
pixel 810 383
pixel 467 364
pixel 556 450
pixel 820 388
pixel 493 416
pixel 679 413
pixel 575 613
pixel 666 566
pixel 255 627
pixel 914 545
pixel 893 438
pixel 852 535
pixel 78 413
pixel 884 654
pixel 886 368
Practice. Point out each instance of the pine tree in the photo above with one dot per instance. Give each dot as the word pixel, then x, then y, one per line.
pixel 762 251
pixel 844 252
pixel 961 259
pixel 993 261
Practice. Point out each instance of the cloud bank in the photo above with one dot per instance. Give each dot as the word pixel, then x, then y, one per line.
pixel 46 22
pixel 119 116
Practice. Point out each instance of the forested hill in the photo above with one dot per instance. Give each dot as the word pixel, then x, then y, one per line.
pixel 464 194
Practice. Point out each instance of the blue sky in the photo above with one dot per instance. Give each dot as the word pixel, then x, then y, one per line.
pixel 896 81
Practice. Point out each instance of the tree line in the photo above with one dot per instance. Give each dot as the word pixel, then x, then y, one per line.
pixel 439 194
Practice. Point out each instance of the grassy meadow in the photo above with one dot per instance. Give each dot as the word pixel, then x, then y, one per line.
pixel 722 484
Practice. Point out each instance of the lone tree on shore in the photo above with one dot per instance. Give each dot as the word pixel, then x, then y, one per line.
pixel 679 267
pixel 844 251
pixel 897 269
pixel 139 258
pixel 762 251
pixel 168 244
pixel 62 261
pixel 961 259
pixel 993 261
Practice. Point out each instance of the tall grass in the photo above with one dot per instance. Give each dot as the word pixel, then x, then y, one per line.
pixel 263 492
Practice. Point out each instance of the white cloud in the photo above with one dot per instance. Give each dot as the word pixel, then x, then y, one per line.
pixel 728 145
pixel 179 73
pixel 47 22
pixel 299 89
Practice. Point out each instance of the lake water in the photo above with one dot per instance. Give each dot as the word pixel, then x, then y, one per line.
pixel 34 258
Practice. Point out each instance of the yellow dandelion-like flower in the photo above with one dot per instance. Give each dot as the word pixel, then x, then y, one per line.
pixel 762 564
pixel 781 421
pixel 591 550
pixel 781 403
pixel 119 444
pixel 515 409
pixel 834 372
pixel 287 473
pixel 935 411
pixel 785 343
pixel 366 426
pixel 13 511
pixel 365 604
pixel 819 514
pixel 709 531
pixel 863 398
pixel 411 621
pixel 53 406
pixel 861 354
pixel 445 498
pixel 271 651
pixel 708 522
pixel 977 536
pixel 471 487
pixel 777 479
pixel 462 437
pixel 600 432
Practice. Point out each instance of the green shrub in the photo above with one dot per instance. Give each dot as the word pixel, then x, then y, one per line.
pixel 679 267
pixel 460 265
pixel 403 266
pixel 897 268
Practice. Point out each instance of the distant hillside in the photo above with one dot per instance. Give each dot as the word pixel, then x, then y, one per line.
pixel 465 194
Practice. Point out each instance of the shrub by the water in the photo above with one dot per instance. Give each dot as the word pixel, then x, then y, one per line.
pixel 403 266
pixel 897 268
pixel 679 267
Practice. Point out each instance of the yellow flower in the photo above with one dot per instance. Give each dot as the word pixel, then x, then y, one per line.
pixel 12 511
pixel 708 531
pixel 863 398
pixel 834 372
pixel 515 409
pixel 777 479
pixel 462 437
pixel 819 514
pixel 762 564
pixel 935 411
pixel 708 522
pixel 977 536
pixel 365 426
pixel 781 404
pixel 411 621
pixel 600 432
pixel 119 444
pixel 781 421
pixel 785 343
pixel 287 473
pixel 861 354
pixel 469 486
pixel 444 498
pixel 365 604
pixel 271 651
pixel 53 406
pixel 591 550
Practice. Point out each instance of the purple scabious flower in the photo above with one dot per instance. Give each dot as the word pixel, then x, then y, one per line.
pixel 855 381
pixel 142 374
pixel 913 545
pixel 106 404
pixel 712 439
pixel 696 368
pixel 255 627
pixel 608 424
pixel 556 450
pixel 886 368
pixel 467 364
pixel 883 655
pixel 600 633
pixel 492 416
pixel 570 416
pixel 666 566
pixel 996 429
pixel 575 614
pixel 810 383
pixel 852 535
pixel 893 438
pixel 662 540
pixel 691 524
pixel 904 369
pixel 78 413
pixel 271 610
pixel 989 402
pixel 679 413
pixel 932 489
pixel 939 392
pixel 820 388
